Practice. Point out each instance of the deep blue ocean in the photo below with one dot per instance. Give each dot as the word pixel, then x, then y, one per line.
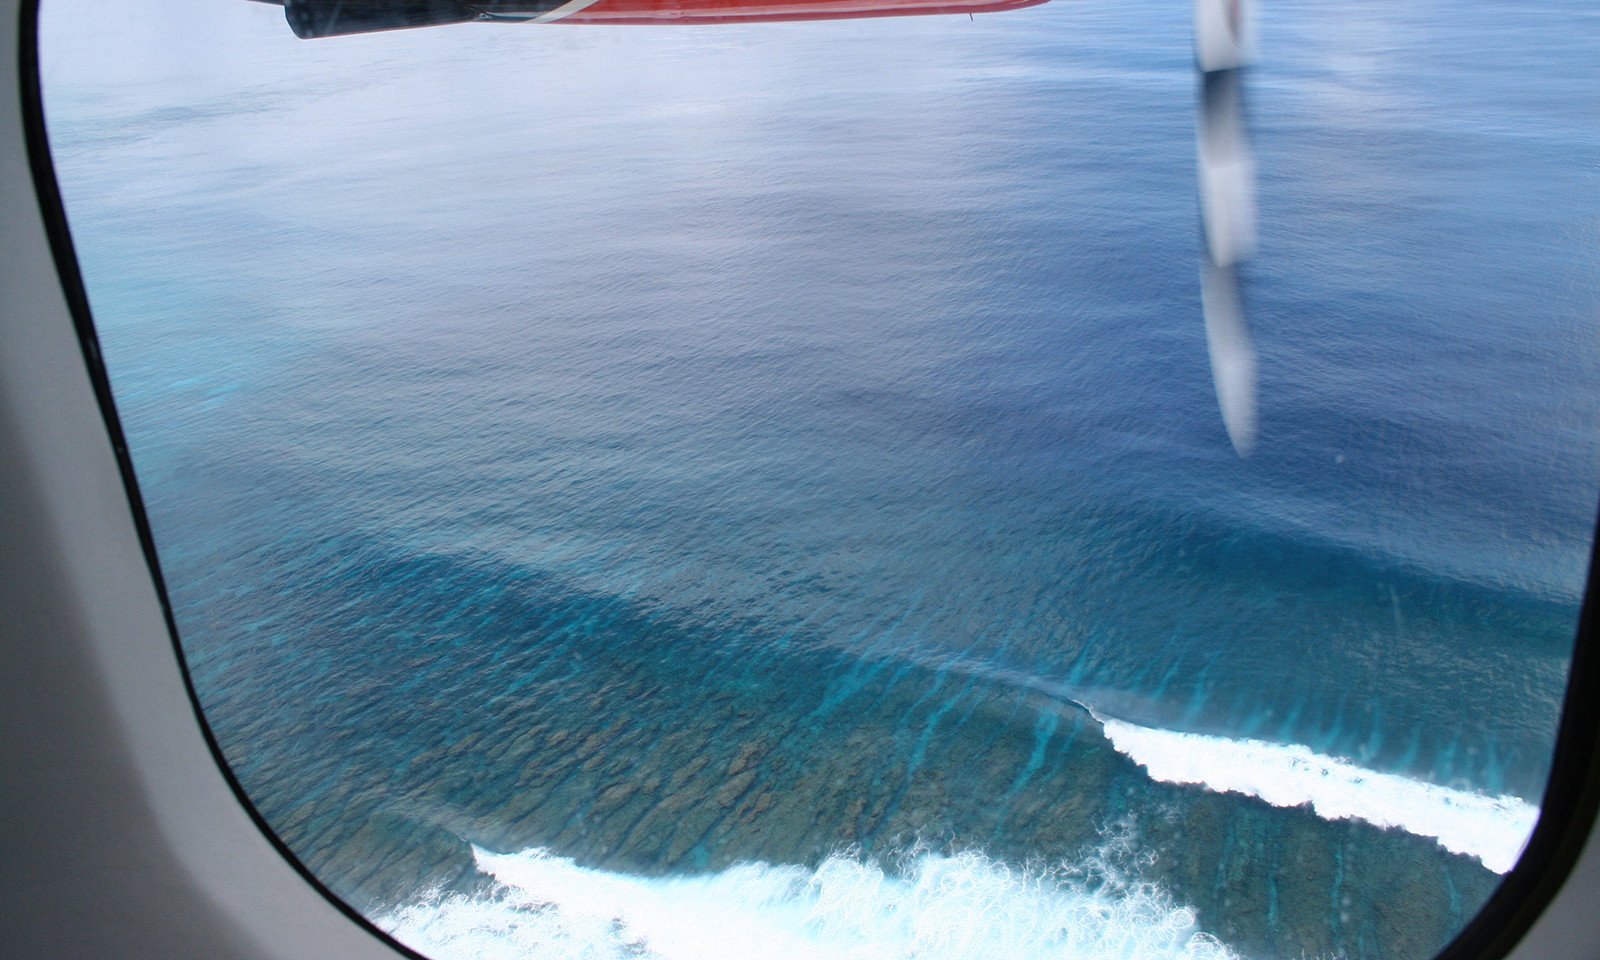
pixel 758 491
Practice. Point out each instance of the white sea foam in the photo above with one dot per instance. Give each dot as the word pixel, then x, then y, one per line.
pixel 1493 829
pixel 960 907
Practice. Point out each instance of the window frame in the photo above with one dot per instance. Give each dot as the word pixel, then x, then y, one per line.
pixel 1523 901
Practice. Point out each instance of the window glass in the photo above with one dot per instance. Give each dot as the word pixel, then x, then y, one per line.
pixel 759 490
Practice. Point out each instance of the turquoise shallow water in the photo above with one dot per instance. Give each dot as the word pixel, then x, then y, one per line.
pixel 794 446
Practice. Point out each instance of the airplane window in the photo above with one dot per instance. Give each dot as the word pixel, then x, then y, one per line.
pixel 633 488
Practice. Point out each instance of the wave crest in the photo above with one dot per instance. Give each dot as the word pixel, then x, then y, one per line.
pixel 1493 829
pixel 932 907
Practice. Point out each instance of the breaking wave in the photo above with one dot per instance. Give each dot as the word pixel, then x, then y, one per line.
pixel 1493 829
pixel 962 906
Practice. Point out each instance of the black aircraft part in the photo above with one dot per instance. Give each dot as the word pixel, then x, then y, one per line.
pixel 333 18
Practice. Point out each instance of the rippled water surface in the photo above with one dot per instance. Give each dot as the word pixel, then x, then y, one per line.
pixel 758 491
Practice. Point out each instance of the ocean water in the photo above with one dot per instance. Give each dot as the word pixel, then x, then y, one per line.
pixel 758 491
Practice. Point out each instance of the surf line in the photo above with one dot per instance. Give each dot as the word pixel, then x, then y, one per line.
pixel 1492 829
pixel 938 907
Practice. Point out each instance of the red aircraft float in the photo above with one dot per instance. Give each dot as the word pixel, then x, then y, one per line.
pixel 328 18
